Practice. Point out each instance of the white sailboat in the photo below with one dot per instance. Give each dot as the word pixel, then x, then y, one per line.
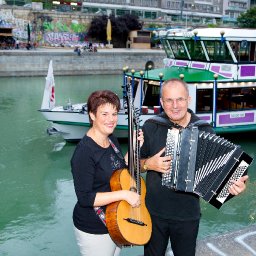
pixel 72 121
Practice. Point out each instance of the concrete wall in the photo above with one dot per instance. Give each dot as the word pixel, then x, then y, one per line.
pixel 35 63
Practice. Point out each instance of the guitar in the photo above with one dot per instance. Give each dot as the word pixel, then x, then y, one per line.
pixel 128 225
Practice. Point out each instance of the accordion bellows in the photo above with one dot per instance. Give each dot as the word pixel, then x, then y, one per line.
pixel 204 164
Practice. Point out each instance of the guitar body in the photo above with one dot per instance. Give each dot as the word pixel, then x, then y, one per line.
pixel 128 225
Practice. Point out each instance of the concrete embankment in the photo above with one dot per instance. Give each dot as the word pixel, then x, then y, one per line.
pixel 67 62
pixel 237 243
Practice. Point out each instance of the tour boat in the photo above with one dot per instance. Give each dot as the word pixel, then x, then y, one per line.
pixel 218 64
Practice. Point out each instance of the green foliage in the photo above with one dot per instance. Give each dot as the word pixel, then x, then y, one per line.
pixel 47 6
pixel 247 19
pixel 212 25
pixel 154 25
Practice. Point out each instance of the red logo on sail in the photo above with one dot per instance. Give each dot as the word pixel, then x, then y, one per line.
pixel 52 95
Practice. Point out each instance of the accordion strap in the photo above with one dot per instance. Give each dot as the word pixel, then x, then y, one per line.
pixel 162 119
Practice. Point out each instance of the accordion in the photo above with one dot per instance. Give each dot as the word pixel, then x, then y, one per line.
pixel 204 164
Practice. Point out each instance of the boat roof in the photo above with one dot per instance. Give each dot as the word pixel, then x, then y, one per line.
pixel 229 33
pixel 190 75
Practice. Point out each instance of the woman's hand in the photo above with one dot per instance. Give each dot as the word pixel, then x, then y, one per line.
pixel 131 198
pixel 140 137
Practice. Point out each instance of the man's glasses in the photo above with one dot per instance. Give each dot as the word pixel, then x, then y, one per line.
pixel 179 101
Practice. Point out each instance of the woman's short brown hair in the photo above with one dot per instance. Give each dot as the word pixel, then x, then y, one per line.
pixel 99 98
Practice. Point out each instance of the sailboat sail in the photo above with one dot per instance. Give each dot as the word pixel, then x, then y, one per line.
pixel 49 92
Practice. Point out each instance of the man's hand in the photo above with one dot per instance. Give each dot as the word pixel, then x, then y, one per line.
pixel 159 163
pixel 238 186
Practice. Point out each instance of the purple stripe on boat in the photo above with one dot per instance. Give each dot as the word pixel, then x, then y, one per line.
pixel 206 118
pixel 198 65
pixel 247 71
pixel 229 75
pixel 181 63
pixel 216 69
pixel 228 119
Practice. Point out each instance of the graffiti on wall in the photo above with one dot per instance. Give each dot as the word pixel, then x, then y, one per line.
pixel 45 29
pixel 19 25
pixel 61 38
pixel 55 31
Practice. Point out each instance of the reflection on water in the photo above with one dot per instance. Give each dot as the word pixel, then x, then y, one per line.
pixel 37 195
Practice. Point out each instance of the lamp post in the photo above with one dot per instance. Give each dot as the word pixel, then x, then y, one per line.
pixel 132 71
pixel 141 88
pixel 214 100
pixel 125 69
pixel 161 75
pixel 222 33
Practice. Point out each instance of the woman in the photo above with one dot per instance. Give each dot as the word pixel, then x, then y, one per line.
pixel 95 158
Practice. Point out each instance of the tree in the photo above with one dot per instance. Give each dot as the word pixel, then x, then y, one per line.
pixel 121 26
pixel 247 19
pixel 97 28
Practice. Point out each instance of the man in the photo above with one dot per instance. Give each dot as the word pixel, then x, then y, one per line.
pixel 175 215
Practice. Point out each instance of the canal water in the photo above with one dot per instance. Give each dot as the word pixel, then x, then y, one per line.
pixel 37 195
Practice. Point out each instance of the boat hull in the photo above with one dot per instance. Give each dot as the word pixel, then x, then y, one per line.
pixel 73 125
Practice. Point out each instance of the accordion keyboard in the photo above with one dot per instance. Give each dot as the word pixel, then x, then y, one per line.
pixel 223 195
pixel 170 150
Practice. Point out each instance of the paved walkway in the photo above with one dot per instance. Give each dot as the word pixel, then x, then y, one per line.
pixel 239 243
pixel 61 49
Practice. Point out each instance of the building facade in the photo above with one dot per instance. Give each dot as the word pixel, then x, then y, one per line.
pixel 233 8
pixel 189 12
pixel 148 9
pixel 199 11
pixel 193 11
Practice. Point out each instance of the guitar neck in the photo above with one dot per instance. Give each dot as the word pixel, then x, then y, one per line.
pixel 133 143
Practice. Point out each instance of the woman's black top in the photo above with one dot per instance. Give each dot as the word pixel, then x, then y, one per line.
pixel 92 167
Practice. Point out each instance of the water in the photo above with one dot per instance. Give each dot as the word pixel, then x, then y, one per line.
pixel 37 195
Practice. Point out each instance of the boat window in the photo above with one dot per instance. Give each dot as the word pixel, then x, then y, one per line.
pixel 204 100
pixel 218 51
pixel 167 49
pixel 235 48
pixel 243 98
pixel 195 50
pixel 253 52
pixel 152 95
pixel 228 99
pixel 178 49
pixel 244 51
pixel 135 86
